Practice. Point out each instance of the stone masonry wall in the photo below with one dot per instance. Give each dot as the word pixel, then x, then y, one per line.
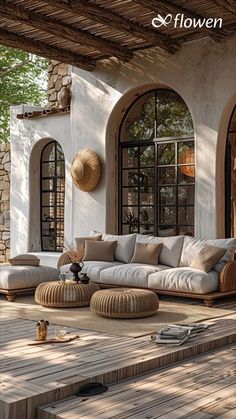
pixel 59 78
pixel 5 171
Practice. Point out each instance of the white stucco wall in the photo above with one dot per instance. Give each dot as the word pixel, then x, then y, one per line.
pixel 202 72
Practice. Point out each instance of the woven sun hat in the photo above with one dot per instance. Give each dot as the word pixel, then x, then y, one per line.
pixel 85 170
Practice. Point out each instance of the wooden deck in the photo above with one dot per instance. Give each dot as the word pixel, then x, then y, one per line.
pixel 33 376
pixel 201 388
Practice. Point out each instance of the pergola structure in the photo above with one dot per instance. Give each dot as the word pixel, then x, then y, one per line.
pixel 82 32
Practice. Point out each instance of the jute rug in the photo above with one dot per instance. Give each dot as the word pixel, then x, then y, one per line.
pixel 24 307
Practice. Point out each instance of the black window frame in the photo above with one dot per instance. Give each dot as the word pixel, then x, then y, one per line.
pixel 57 220
pixel 154 142
pixel 228 179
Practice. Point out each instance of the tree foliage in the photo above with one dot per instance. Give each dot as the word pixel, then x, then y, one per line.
pixel 22 80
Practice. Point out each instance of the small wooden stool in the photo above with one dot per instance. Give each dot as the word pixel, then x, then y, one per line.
pixel 124 303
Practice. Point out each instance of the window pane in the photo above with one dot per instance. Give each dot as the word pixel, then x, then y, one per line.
pixel 166 215
pixel 166 154
pixel 147 198
pixel 173 116
pixel 186 215
pixel 130 196
pixel 130 157
pixel 167 195
pixel 186 230
pixel 166 175
pixel 48 198
pixel 186 195
pixel 49 152
pixel 49 243
pixel 147 179
pixel 129 229
pixel 183 179
pixel 48 169
pixel 146 229
pixel 61 168
pixel 130 215
pixel 139 122
pixel 146 215
pixel 47 185
pixel 165 231
pixel 48 214
pixel 147 156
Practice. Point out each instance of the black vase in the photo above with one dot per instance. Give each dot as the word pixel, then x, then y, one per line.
pixel 75 268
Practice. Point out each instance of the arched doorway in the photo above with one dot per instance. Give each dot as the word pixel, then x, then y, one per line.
pixel 230 178
pixel 157 166
pixel 52 197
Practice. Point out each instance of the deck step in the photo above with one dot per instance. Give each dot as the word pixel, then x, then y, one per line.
pixel 188 388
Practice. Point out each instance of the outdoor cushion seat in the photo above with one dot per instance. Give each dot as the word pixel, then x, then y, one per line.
pixel 130 274
pixel 184 280
pixel 92 268
pixel 19 277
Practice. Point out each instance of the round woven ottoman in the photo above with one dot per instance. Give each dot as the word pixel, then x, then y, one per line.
pixel 124 303
pixel 59 294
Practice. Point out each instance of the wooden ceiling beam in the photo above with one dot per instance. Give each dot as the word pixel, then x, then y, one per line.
pixel 62 30
pixel 166 6
pixel 10 39
pixel 106 17
pixel 228 5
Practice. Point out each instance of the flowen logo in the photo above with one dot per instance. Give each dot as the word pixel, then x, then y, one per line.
pixel 180 21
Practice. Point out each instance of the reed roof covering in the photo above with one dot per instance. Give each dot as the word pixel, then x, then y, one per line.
pixel 81 32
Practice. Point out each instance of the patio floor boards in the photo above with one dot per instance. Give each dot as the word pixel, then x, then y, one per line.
pixel 32 376
pixel 189 390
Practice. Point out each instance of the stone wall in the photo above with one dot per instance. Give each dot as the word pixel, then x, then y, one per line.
pixel 5 170
pixel 59 79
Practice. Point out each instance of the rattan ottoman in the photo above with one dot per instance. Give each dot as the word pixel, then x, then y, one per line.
pixel 124 303
pixel 59 294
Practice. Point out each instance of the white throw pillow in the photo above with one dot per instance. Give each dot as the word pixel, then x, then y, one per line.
pixel 171 250
pixel 125 245
pixel 192 246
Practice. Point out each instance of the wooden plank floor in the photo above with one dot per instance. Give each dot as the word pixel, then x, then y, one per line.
pixel 200 388
pixel 32 376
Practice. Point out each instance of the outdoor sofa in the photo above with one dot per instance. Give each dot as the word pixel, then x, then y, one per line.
pixel 173 274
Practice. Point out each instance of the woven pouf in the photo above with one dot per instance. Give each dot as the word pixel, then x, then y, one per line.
pixel 124 303
pixel 59 294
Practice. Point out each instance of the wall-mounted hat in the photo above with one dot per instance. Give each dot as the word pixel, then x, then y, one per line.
pixel 85 170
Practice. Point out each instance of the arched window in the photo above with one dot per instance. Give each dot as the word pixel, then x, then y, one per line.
pixel 157 166
pixel 230 178
pixel 52 197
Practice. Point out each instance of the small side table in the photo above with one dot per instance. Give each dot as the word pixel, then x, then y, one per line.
pixel 62 295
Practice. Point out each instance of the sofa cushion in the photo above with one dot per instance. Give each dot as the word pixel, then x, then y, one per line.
pixel 92 268
pixel 25 260
pixel 184 280
pixel 147 253
pixel 192 246
pixel 125 245
pixel 171 250
pixel 18 277
pixel 99 250
pixel 80 244
pixel 131 274
pixel 207 258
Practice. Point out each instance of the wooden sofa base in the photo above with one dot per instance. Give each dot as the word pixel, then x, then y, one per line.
pixel 208 299
pixel 11 294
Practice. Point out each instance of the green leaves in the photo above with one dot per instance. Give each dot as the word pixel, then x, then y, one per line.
pixel 23 78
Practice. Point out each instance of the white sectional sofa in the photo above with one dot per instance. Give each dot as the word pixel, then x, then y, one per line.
pixel 173 274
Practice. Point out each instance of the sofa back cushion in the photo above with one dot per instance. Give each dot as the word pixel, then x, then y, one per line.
pixel 125 245
pixel 147 253
pixel 80 244
pixel 207 258
pixel 171 249
pixel 99 250
pixel 192 247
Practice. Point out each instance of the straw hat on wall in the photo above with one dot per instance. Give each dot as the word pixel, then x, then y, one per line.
pixel 85 170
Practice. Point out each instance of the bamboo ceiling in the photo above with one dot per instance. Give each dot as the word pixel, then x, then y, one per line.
pixel 80 32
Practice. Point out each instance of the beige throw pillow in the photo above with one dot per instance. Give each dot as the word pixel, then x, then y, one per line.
pixel 27 260
pixel 207 258
pixel 100 250
pixel 80 244
pixel 147 253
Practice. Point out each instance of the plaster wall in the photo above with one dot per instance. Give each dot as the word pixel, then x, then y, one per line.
pixel 28 137
pixel 202 72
